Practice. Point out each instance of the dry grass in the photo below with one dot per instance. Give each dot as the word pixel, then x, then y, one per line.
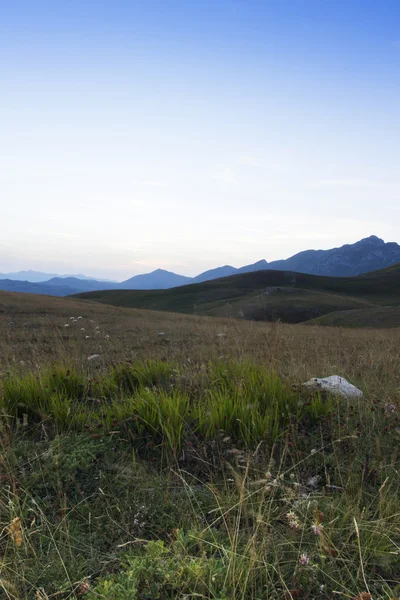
pixel 126 477
pixel 33 333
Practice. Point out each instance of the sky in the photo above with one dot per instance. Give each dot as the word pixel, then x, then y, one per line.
pixel 189 134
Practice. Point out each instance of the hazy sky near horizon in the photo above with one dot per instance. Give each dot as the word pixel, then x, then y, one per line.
pixel 187 134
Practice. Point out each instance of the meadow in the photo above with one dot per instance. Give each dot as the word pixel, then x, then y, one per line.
pixel 151 455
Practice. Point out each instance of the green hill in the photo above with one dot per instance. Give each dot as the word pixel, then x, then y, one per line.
pixel 380 317
pixel 265 295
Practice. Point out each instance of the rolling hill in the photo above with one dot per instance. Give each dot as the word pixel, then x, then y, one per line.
pixel 266 295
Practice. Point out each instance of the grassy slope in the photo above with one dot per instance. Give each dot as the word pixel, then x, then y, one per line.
pixel 186 465
pixel 380 317
pixel 182 465
pixel 32 330
pixel 300 297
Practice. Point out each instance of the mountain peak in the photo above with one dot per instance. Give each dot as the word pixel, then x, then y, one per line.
pixel 161 271
pixel 372 239
pixel 156 280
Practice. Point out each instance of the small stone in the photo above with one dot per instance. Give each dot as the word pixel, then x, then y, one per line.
pixel 335 385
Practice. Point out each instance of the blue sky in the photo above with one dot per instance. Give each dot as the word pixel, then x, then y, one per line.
pixel 186 135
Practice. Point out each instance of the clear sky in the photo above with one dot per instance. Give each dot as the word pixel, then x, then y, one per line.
pixel 187 134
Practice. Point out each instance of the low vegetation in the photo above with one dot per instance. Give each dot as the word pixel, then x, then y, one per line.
pixel 149 455
pixel 378 317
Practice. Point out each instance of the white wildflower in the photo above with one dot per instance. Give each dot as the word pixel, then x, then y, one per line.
pixel 317 528
pixel 304 560
pixel 293 520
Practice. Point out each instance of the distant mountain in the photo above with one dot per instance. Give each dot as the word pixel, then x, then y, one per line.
pixel 80 284
pixel 65 286
pixel 217 273
pixel 29 287
pixel 156 280
pixel 228 270
pixel 40 277
pixel 31 276
pixel 260 265
pixel 369 254
pixel 57 286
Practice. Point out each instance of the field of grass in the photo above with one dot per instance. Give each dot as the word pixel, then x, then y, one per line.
pixel 266 295
pixel 378 317
pixel 148 455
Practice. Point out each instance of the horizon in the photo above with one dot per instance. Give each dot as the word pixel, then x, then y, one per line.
pixel 88 276
pixel 187 136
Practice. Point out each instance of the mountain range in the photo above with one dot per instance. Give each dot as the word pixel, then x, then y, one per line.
pixel 40 277
pixel 368 254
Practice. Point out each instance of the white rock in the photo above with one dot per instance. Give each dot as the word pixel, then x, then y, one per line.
pixel 93 356
pixel 338 386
